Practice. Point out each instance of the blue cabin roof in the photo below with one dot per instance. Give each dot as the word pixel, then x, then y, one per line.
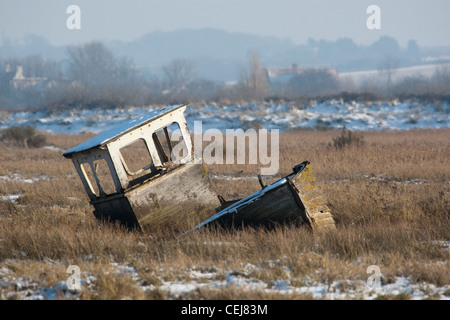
pixel 117 131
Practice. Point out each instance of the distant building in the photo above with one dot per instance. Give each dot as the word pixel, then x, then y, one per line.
pixel 21 82
pixel 283 75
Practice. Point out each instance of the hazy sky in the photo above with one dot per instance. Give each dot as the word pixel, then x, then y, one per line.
pixel 427 22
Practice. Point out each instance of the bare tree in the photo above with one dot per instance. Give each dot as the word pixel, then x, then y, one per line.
pixel 441 79
pixel 253 80
pixel 92 64
pixel 313 83
pixel 100 78
pixel 387 67
pixel 6 76
pixel 178 72
pixel 126 72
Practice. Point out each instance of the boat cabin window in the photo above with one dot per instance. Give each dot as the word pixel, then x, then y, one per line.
pixel 137 161
pixel 170 144
pixel 98 177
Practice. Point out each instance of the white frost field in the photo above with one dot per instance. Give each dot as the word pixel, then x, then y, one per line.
pixel 28 288
pixel 283 116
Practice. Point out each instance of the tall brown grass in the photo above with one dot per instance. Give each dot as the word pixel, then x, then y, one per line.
pixel 390 199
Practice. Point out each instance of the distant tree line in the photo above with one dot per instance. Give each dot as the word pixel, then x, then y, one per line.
pixel 92 76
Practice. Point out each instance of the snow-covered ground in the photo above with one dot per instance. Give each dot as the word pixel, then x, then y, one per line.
pixel 25 287
pixel 425 71
pixel 282 116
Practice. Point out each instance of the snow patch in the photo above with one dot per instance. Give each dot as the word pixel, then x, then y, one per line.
pixel 283 116
pixel 16 177
pixel 11 197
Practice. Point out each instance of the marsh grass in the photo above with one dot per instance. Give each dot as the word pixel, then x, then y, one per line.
pixel 390 199
pixel 348 138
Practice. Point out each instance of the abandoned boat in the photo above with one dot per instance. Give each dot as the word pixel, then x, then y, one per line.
pixel 293 199
pixel 133 175
pixel 144 172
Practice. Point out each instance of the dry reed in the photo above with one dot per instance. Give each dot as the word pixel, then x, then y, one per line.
pixel 390 198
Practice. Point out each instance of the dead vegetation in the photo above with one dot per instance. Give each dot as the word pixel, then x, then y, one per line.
pixel 348 138
pixel 390 197
pixel 23 137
